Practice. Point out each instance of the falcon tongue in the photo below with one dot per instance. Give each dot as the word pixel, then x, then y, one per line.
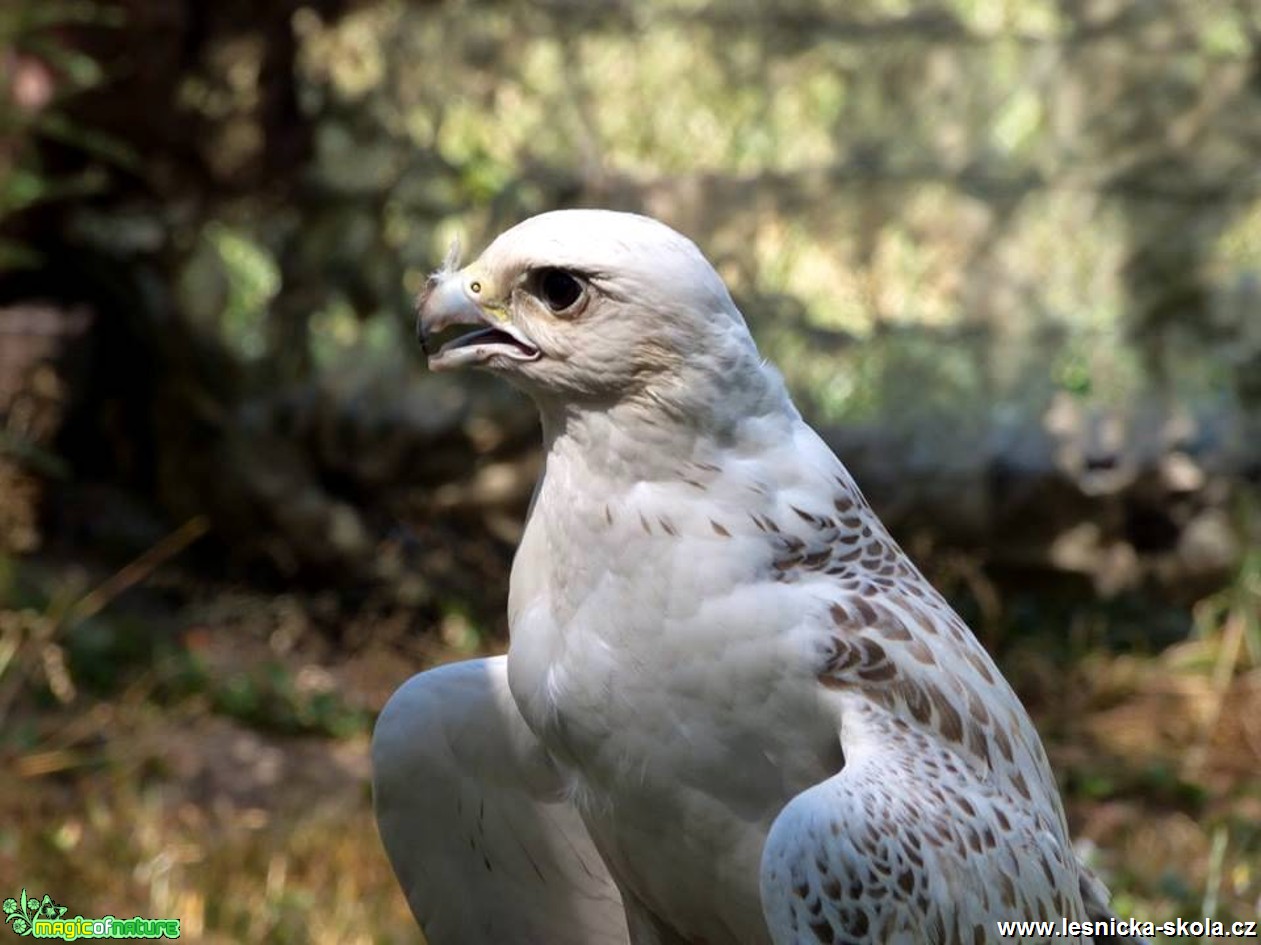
pixel 478 346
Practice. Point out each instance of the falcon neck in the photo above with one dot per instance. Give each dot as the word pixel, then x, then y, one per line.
pixel 638 440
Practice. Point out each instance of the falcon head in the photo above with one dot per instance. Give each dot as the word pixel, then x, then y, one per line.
pixel 589 306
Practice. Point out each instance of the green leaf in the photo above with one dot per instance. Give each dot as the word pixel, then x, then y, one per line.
pixel 59 127
pixel 30 453
pixel 27 189
pixel 35 17
pixel 14 255
pixel 81 69
pixel 22 189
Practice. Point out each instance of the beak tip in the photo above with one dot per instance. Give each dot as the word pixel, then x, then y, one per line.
pixel 421 300
pixel 443 303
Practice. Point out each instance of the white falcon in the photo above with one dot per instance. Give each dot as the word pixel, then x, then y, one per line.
pixel 733 712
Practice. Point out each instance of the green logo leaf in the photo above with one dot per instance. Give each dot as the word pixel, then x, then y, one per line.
pixel 21 915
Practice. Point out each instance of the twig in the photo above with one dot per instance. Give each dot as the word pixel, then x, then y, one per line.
pixel 1213 882
pixel 1223 673
pixel 137 570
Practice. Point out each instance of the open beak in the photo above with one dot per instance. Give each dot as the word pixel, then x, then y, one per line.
pixel 449 300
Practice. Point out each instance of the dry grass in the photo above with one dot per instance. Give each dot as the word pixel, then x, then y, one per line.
pixel 1161 767
pixel 129 808
pixel 110 842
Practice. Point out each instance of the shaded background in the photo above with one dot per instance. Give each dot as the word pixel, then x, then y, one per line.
pixel 1006 252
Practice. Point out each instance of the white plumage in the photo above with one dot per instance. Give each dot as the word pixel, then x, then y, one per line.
pixel 731 706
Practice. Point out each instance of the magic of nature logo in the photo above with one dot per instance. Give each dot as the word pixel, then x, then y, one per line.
pixel 44 917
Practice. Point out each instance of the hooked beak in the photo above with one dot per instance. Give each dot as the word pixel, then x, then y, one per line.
pixel 450 298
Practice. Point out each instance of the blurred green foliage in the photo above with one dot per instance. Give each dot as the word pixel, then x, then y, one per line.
pixel 984 199
pixel 989 200
pixel 267 698
pixel 39 72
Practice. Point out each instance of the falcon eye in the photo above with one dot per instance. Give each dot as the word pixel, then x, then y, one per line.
pixel 558 289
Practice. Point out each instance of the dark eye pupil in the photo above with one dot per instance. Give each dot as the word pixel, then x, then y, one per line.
pixel 559 289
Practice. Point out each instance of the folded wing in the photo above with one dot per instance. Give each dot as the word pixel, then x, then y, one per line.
pixel 476 823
